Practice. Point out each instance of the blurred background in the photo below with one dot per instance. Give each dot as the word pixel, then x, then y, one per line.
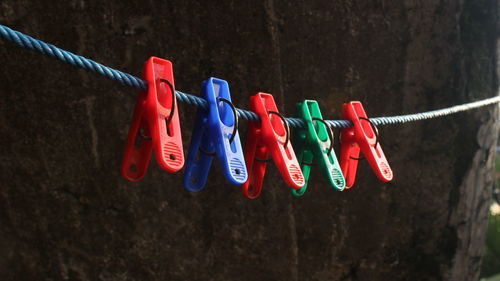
pixel 491 263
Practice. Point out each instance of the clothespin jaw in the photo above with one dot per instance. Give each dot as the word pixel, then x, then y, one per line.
pixel 256 158
pixel 270 136
pixel 138 147
pixel 200 154
pixel 361 137
pixel 215 133
pixel 155 124
pixel 316 144
pixel 349 155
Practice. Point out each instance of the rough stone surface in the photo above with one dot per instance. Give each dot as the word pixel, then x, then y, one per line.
pixel 66 214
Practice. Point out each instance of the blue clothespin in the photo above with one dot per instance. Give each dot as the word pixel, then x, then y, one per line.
pixel 215 133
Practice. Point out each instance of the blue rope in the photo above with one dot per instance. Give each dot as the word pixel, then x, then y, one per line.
pixel 31 43
pixel 434 113
pixel 70 58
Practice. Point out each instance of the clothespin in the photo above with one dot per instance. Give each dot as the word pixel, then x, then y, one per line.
pixel 155 124
pixel 269 136
pixel 362 136
pixel 215 133
pixel 314 145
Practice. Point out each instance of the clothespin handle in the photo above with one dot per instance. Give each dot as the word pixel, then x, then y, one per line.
pixel 155 124
pixel 223 122
pixel 316 145
pixel 216 129
pixel 273 134
pixel 163 114
pixel 362 136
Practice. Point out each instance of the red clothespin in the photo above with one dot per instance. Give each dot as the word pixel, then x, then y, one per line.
pixel 155 124
pixel 362 136
pixel 270 136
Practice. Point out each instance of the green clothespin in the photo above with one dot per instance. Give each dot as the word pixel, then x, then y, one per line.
pixel 314 145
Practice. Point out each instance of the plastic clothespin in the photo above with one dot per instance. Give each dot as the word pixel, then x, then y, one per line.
pixel 215 133
pixel 314 145
pixel 155 124
pixel 362 136
pixel 270 136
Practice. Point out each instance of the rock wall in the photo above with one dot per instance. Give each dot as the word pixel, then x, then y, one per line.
pixel 66 213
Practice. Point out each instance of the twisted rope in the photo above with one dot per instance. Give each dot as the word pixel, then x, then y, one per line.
pixel 50 50
pixel 31 43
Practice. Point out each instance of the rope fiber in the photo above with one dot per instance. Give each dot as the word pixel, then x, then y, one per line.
pixel 50 50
